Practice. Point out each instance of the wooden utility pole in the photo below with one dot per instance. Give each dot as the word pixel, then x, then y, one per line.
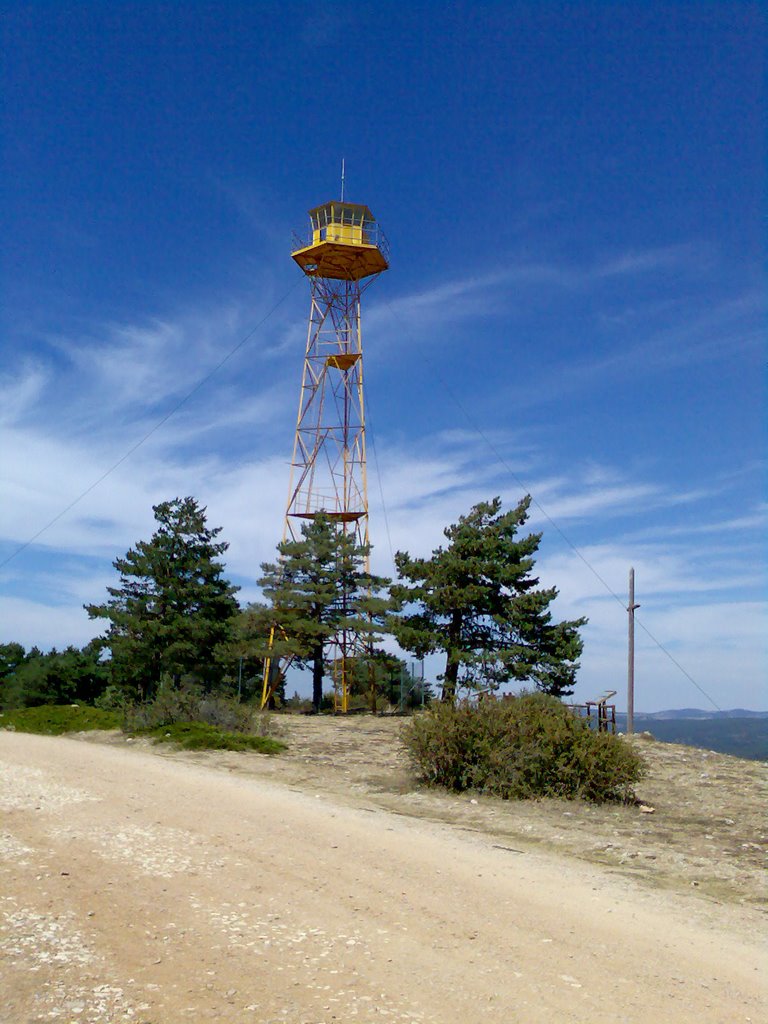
pixel 631 656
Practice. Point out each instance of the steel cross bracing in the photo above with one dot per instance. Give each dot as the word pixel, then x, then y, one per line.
pixel 328 466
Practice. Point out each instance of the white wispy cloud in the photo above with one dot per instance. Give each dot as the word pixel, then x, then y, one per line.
pixel 21 391
pixel 71 413
pixel 751 522
pixel 64 624
pixel 140 365
pixel 717 331
pixel 686 256
pixel 494 290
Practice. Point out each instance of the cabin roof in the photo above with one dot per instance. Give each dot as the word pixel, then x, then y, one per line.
pixel 343 202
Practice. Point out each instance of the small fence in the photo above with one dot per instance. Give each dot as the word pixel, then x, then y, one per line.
pixel 600 715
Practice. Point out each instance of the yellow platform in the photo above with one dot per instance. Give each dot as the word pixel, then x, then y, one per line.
pixel 346 243
pixel 337 517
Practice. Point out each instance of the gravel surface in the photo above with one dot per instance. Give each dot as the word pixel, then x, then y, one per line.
pixel 141 885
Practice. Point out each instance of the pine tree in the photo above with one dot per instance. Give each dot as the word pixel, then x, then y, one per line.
pixel 477 601
pixel 56 677
pixel 317 589
pixel 173 606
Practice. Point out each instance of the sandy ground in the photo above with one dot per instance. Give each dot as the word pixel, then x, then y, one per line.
pixel 708 832
pixel 317 887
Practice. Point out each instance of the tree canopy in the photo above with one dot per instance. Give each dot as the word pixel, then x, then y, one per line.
pixel 477 601
pixel 55 677
pixel 318 589
pixel 173 606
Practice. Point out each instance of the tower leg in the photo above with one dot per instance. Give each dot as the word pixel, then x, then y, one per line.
pixel 328 466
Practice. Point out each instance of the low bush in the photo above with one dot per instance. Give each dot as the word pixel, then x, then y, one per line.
pixel 194 720
pixel 54 719
pixel 521 747
pixel 249 732
pixel 111 698
pixel 188 704
pixel 201 736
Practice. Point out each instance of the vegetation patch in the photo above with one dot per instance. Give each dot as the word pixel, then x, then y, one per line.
pixel 201 736
pixel 523 747
pixel 54 719
pixel 194 720
pixel 188 703
pixel 160 720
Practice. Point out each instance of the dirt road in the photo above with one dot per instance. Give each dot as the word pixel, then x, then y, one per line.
pixel 146 889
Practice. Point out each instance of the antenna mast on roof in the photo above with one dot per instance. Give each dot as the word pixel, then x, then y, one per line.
pixel 342 179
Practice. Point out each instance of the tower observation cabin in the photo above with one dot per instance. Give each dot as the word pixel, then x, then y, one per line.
pixel 345 244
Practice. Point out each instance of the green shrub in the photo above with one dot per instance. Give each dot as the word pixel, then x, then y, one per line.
pixel 53 720
pixel 201 736
pixel 171 704
pixel 112 698
pixel 188 703
pixel 521 747
pixel 194 720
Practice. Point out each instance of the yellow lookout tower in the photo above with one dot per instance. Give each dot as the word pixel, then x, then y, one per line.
pixel 344 252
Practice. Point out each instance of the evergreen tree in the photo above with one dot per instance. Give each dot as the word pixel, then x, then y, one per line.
pixel 173 607
pixel 243 654
pixel 56 677
pixel 317 589
pixel 11 656
pixel 398 682
pixel 477 601
pixel 253 629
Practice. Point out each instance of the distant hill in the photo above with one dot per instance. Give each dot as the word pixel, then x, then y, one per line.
pixel 741 733
pixel 699 713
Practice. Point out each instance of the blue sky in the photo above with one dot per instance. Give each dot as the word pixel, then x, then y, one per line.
pixel 575 307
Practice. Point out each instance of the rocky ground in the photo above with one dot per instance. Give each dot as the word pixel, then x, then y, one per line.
pixel 708 830
pixel 140 884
